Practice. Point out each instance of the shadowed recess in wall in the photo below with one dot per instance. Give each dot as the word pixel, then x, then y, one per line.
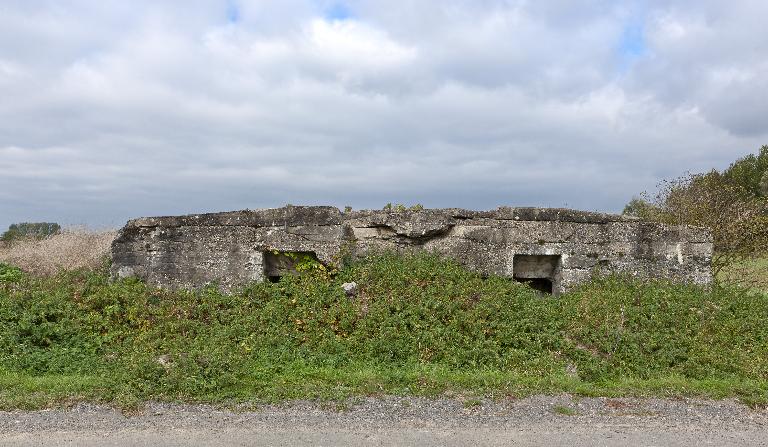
pixel 541 272
pixel 278 264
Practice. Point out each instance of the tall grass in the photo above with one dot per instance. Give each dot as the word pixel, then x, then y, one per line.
pixel 752 272
pixel 73 248
pixel 419 325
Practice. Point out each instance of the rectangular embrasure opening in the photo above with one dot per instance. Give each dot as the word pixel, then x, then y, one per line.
pixel 281 263
pixel 540 272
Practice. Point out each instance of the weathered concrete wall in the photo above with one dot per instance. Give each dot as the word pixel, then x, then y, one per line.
pixel 567 245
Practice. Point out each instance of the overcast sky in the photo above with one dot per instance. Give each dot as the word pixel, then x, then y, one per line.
pixel 111 109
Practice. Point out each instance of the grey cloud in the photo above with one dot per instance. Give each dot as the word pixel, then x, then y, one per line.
pixel 112 112
pixel 711 56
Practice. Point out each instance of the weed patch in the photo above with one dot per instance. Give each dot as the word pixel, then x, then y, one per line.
pixel 564 411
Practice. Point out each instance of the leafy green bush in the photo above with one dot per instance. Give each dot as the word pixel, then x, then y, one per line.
pixel 9 273
pixel 750 173
pixel 418 324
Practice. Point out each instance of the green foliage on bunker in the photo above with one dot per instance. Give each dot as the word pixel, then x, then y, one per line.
pixel 418 325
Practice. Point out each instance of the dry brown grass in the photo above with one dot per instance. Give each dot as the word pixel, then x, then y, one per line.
pixel 69 250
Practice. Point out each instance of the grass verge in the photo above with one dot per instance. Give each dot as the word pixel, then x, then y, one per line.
pixel 420 325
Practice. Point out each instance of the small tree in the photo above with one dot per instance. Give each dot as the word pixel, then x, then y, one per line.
pixel 638 207
pixel 35 230
pixel 737 219
pixel 750 172
pixel 764 184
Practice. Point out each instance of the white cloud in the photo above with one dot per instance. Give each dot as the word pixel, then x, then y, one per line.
pixel 111 112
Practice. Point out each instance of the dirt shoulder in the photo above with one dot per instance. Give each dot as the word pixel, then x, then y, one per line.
pixel 550 420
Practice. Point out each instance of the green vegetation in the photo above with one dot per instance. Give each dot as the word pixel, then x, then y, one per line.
pixel 732 204
pixel 472 403
pixel 565 411
pixel 9 273
pixel 304 263
pixel 419 325
pixel 400 208
pixel 752 272
pixel 750 172
pixel 36 230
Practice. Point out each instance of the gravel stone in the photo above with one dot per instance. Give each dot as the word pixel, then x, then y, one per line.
pixel 393 420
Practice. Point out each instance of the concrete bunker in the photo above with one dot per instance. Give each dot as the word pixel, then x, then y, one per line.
pixel 552 249
pixel 278 264
pixel 540 272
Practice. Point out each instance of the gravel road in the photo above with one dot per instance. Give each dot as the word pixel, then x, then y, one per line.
pixel 538 420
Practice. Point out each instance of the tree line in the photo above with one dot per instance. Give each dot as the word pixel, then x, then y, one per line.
pixel 36 230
